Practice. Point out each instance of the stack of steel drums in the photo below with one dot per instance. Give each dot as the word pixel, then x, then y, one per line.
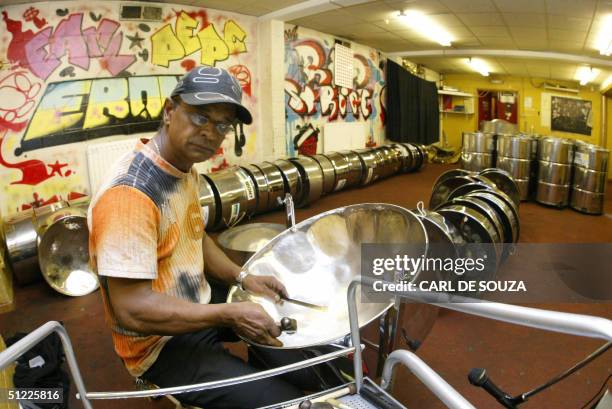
pixel 514 156
pixel 555 158
pixel 478 151
pixel 469 207
pixel 590 176
pixel 230 195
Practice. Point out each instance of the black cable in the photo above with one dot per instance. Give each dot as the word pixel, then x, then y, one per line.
pixel 598 392
pixel 568 372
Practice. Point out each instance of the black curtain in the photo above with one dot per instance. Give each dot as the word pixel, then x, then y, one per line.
pixel 412 107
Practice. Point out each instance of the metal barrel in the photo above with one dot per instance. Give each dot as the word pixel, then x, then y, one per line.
pixel 237 195
pixel 275 182
pixel 555 158
pixel 590 177
pixel 292 178
pixel 479 142
pixel 557 150
pixel 591 157
pixel 341 168
pixel 312 179
pixel 329 173
pixel 209 202
pixel 355 168
pixel 261 183
pixel 476 162
pixel 372 166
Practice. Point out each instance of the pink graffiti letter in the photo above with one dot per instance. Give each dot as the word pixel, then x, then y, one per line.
pixel 41 63
pixel 67 38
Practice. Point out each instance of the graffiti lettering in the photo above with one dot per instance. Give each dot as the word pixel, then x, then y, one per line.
pixel 310 81
pixel 42 52
pixel 170 45
pixel 76 110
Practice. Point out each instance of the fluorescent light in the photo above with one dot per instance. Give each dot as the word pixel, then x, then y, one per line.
pixel 479 66
pixel 586 74
pixel 606 83
pixel 425 26
pixel 604 39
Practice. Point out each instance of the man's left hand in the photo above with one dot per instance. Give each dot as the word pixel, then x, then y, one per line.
pixel 267 286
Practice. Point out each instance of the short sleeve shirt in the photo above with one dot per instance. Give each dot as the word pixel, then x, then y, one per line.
pixel 145 222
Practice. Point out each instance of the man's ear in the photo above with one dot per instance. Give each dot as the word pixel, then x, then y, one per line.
pixel 168 110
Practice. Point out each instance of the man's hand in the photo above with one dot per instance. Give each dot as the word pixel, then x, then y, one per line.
pixel 250 320
pixel 267 286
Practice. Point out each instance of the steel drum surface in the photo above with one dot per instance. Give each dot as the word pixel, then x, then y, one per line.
pixel 318 259
pixel 504 182
pixel 63 256
pixel 241 242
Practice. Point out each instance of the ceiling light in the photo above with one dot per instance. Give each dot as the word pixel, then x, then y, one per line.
pixel 479 66
pixel 586 74
pixel 606 83
pixel 425 26
pixel 604 40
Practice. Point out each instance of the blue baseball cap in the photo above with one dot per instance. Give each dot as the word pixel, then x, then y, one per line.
pixel 211 85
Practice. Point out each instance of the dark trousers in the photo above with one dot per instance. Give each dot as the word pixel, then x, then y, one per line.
pixel 200 357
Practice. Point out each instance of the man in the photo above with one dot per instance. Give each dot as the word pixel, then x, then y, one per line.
pixel 148 244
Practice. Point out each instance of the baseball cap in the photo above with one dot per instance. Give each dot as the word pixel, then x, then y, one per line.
pixel 210 85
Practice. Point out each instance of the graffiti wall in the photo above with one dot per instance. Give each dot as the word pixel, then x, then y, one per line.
pixel 78 73
pixel 312 98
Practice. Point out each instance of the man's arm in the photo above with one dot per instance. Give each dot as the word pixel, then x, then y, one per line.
pixel 138 308
pixel 217 264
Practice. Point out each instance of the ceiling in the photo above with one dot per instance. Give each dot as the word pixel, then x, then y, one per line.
pixel 562 26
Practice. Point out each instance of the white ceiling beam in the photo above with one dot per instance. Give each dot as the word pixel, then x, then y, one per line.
pixel 542 55
pixel 309 8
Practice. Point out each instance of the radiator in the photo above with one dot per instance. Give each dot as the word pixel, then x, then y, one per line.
pixel 102 156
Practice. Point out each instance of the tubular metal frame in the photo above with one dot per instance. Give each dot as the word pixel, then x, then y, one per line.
pixel 568 323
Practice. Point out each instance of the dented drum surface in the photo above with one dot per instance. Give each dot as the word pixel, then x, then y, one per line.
pixel 475 228
pixel 443 189
pixel 504 182
pixel 63 256
pixel 316 262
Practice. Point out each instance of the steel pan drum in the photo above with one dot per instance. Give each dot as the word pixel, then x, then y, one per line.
pixel 241 242
pixel 317 259
pixel 63 256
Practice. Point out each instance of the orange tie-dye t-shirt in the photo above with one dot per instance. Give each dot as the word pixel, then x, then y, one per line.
pixel 145 222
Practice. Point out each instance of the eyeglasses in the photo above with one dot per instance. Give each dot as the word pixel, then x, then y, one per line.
pixel 200 120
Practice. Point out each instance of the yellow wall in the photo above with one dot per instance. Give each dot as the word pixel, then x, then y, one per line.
pixel 609 133
pixel 454 124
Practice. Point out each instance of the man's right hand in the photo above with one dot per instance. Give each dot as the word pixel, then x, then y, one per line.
pixel 251 321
